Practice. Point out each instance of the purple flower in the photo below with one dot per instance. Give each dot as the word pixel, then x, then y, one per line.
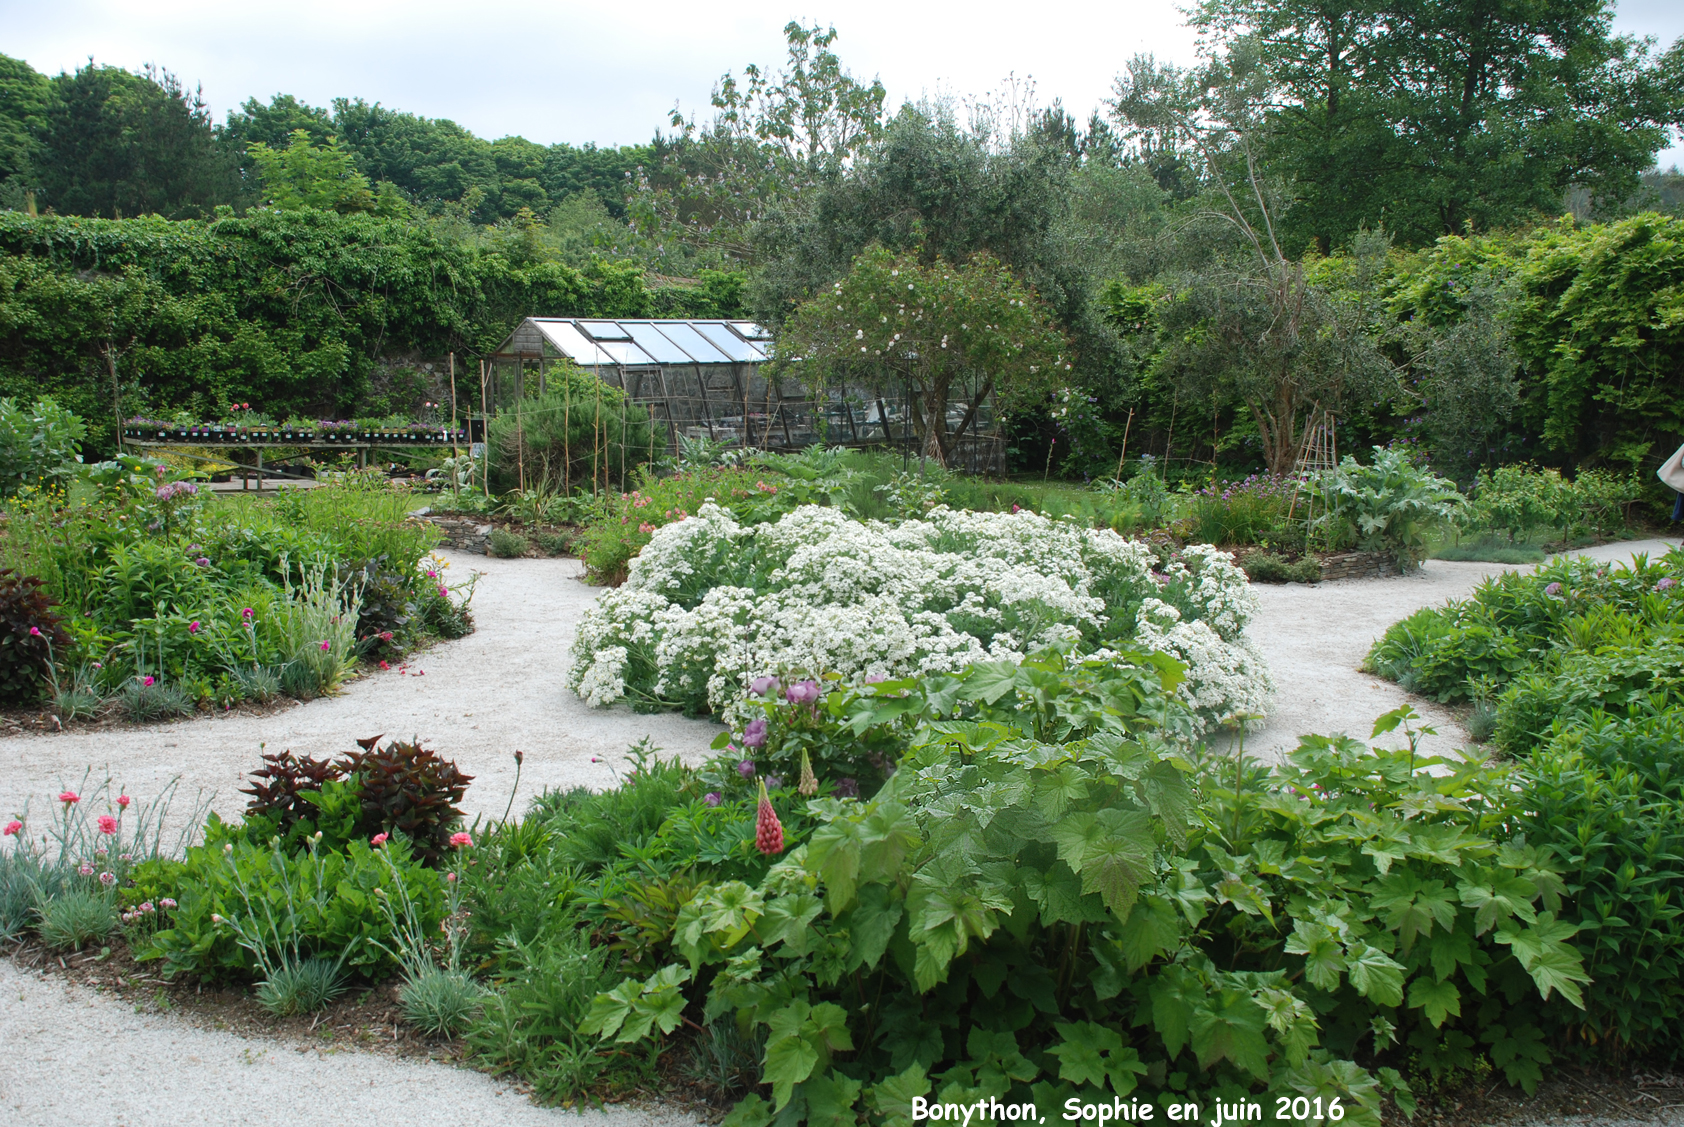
pixel 773 782
pixel 202 562
pixel 760 686
pixel 802 692
pixel 712 798
pixel 1666 584
pixel 746 768
pixel 754 735
pixel 1553 589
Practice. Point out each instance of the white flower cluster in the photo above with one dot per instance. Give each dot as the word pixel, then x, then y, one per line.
pixel 711 603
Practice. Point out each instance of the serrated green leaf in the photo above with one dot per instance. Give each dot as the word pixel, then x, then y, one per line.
pixel 872 922
pixel 751 1111
pixel 892 1098
pixel 1437 1000
pixel 1375 974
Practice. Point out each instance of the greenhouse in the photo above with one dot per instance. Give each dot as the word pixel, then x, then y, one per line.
pixel 707 379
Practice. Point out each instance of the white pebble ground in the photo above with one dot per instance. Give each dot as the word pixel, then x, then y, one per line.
pixel 73 1055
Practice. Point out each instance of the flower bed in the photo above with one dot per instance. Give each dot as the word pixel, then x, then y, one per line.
pixel 711 604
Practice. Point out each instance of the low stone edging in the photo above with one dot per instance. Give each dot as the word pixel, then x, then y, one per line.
pixel 1358 565
pixel 461 533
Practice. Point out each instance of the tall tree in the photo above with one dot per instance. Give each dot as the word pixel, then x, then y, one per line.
pixel 132 144
pixel 1427 115
pixel 23 105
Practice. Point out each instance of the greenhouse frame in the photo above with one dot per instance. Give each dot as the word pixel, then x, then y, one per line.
pixel 707 379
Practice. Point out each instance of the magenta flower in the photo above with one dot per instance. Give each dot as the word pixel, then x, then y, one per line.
pixel 34 631
pixel 12 828
pixel 202 561
pixel 325 646
pixel 754 735
pixel 712 798
pixel 802 692
pixel 107 824
pixel 1553 589
pixel 378 839
pixel 444 593
pixel 193 627
pixel 246 613
pixel 148 680
pixel 69 797
pixel 746 769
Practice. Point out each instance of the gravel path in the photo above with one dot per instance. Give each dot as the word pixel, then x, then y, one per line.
pixel 475 700
pixel 69 1049
pixel 1315 638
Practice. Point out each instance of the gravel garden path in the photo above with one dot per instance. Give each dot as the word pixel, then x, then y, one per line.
pixel 1315 638
pixel 69 1049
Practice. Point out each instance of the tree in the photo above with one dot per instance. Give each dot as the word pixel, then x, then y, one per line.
pixel 771 137
pixel 23 106
pixel 117 144
pixel 1426 116
pixel 1249 321
pixel 307 174
pixel 935 327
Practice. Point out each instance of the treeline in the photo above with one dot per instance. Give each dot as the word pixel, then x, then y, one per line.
pixel 304 312
pixel 1334 214
pixel 104 142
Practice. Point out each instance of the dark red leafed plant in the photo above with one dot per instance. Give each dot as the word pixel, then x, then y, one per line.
pixel 408 788
pixel 29 631
pixel 277 788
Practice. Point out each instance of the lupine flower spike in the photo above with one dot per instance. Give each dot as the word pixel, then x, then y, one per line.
pixel 768 831
pixel 809 785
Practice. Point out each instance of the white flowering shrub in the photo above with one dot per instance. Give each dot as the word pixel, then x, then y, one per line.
pixel 710 604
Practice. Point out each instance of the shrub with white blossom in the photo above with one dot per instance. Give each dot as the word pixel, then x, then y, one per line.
pixel 711 604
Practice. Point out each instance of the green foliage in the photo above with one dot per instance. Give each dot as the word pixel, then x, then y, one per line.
pixel 316 176
pixel 1390 505
pixel 1259 510
pixel 578 432
pixel 1267 567
pixel 932 326
pixel 252 906
pixel 70 920
pixel 29 629
pixel 506 545
pixel 40 443
pixel 301 987
pixel 441 1002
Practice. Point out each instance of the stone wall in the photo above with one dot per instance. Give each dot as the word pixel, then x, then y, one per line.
pixel 1357 565
pixel 461 533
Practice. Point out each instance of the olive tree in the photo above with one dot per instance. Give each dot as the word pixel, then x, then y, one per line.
pixel 938 328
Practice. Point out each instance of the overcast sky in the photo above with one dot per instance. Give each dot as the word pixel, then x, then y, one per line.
pixel 610 73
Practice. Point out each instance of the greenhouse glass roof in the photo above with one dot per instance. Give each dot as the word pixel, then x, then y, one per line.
pixel 599 343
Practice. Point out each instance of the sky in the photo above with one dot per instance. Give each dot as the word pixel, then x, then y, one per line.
pixel 611 73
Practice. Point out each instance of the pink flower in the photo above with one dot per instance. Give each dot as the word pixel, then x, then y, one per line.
pixel 746 769
pixel 34 631
pixel 123 800
pixel 325 646
pixel 246 613
pixel 193 627
pixel 802 692
pixel 1666 584
pixel 167 903
pixel 85 869
pixel 12 828
pixel 108 879
pixel 383 665
pixel 378 839
pixel 107 824
pixel 385 635
pixel 713 798
pixel 451 877
pixel 760 686
pixel 69 797
pixel 147 680
pixel 444 593
pixel 146 906
pixel 458 840
pixel 202 562
pixel 432 575
pixel 754 735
